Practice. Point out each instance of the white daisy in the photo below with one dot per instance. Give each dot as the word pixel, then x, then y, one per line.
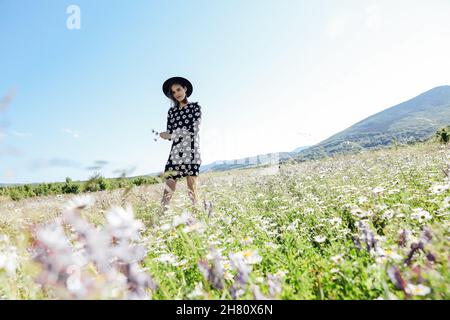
pixel 320 239
pixel 438 189
pixel 417 290
pixel 337 258
pixel 377 190
pixel 421 215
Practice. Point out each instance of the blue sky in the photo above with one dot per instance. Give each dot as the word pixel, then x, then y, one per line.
pixel 270 76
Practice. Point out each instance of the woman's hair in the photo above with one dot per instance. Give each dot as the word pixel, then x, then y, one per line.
pixel 173 100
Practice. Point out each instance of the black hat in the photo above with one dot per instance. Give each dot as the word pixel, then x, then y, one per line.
pixel 183 81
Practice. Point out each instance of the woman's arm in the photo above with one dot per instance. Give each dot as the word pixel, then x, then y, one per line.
pixel 168 133
pixel 197 118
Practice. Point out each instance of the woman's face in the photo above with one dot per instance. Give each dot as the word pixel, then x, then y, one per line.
pixel 178 92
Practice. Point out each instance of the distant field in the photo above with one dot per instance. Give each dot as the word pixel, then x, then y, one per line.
pixel 369 226
pixel 95 183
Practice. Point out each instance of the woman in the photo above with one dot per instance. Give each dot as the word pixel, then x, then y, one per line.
pixel 183 120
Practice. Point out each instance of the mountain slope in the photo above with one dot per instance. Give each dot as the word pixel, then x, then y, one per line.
pixel 413 120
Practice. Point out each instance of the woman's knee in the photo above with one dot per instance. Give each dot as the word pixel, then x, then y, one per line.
pixel 191 180
pixel 170 185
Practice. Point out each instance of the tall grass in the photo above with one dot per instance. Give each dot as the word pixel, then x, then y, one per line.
pixel 372 225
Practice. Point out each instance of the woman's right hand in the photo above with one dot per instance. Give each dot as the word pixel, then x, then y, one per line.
pixel 165 135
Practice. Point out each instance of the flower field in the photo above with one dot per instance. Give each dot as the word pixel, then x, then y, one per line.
pixel 373 225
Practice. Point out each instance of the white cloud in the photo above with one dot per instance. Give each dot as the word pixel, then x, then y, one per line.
pixel 21 134
pixel 73 133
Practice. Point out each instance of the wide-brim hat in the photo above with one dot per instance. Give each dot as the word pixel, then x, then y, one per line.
pixel 182 81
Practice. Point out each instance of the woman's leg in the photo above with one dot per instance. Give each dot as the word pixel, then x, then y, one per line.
pixel 169 188
pixel 192 188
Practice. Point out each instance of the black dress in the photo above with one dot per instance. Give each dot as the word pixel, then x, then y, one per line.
pixel 183 123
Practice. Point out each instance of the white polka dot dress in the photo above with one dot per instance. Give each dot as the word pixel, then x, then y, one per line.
pixel 185 158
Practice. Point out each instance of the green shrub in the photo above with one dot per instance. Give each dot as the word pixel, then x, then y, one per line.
pixel 42 189
pixel 71 187
pixel 443 135
pixel 96 183
pixel 139 181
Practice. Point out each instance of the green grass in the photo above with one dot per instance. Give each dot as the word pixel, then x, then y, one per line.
pixel 303 222
pixel 95 183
